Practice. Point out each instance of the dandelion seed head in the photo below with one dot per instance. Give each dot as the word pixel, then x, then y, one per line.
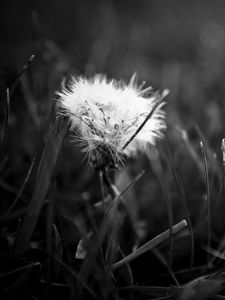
pixel 107 113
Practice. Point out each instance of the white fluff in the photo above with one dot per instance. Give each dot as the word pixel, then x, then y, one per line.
pixel 107 113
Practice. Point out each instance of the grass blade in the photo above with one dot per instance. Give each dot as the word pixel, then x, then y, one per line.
pixel 223 175
pixel 119 195
pixel 162 178
pixel 149 290
pixel 156 105
pixel 150 244
pixel 5 129
pixel 104 227
pixel 20 269
pixel 207 198
pixel 74 274
pixel 164 262
pixel 24 68
pixel 181 194
pixel 43 179
pixel 21 189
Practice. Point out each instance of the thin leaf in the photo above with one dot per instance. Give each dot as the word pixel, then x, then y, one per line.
pixel 163 182
pixel 120 194
pixel 58 253
pixel 77 277
pixel 111 210
pixel 31 102
pixel 207 198
pixel 24 68
pixel 156 105
pixel 164 262
pixel 223 174
pixel 5 129
pixel 21 189
pixel 129 277
pixel 199 289
pixel 150 244
pixel 181 194
pixel 147 290
pixel 20 269
pixel 43 179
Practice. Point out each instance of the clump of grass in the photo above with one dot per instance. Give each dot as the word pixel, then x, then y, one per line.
pixel 90 250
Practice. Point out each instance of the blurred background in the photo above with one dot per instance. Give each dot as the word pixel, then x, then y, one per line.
pixel 175 45
pixel 179 45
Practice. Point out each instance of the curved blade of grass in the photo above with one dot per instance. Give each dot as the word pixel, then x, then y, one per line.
pixel 103 228
pixel 119 195
pixel 5 129
pixel 150 244
pixel 181 194
pixel 130 275
pixel 220 249
pixel 20 269
pixel 159 255
pixel 21 189
pixel 207 198
pixel 43 179
pixel 223 153
pixel 24 68
pixel 223 171
pixel 158 102
pixel 102 188
pixel 30 101
pixel 155 290
pixel 159 292
pixel 112 209
pixel 190 148
pixel 220 195
pixel 9 93
pixel 162 177
pixel 74 274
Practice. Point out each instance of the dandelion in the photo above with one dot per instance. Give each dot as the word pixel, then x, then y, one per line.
pixel 113 119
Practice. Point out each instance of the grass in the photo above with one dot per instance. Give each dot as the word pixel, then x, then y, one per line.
pixel 95 251
pixel 152 230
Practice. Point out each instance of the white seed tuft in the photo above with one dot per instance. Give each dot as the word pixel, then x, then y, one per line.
pixel 107 113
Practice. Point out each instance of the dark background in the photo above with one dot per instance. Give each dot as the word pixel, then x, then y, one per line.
pixel 177 45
